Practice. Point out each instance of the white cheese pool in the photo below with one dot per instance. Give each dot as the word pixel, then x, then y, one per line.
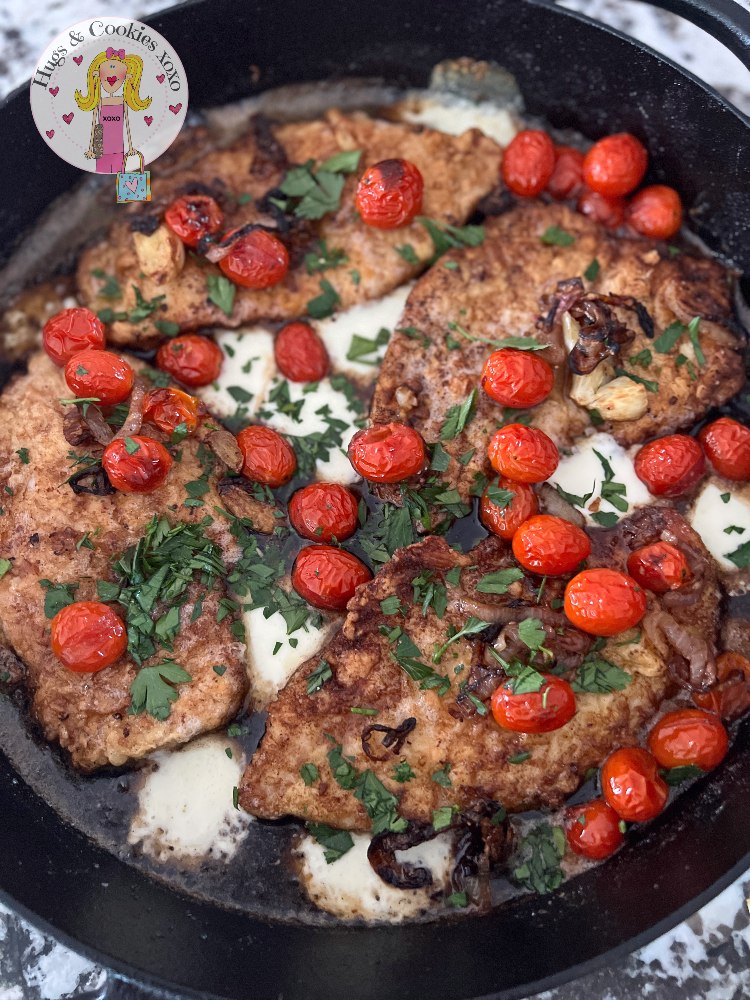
pixel 721 516
pixel 454 115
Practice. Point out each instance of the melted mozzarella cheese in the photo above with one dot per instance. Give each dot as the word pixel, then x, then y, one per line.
pixel 454 115
pixel 711 516
pixel 248 369
pixel 366 320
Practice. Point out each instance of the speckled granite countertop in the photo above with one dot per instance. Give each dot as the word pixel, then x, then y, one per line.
pixel 705 958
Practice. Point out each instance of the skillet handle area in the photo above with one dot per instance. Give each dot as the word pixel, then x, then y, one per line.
pixel 726 20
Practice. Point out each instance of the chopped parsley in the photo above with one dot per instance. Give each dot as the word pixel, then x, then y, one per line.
pixel 23 454
pixel 518 343
pixel 144 307
pixel 221 292
pixel 472 627
pixel 152 689
pixel 335 843
pixel 499 581
pixel 648 384
pixel 109 287
pixel 457 899
pixel 318 677
pixel 734 529
pixel 311 194
pixel 407 654
pixel 642 358
pixel 309 774
pixel 402 772
pixel 668 338
pixel 324 259
pixel 446 237
pixel 443 817
pixel 442 776
pixel 407 252
pixel 5 565
pixel 539 854
pixel 167 327
pixel 361 347
pixel 613 492
pixel 555 236
pixel 430 591
pixel 532 634
pixel 440 459
pixel 324 304
pixel 741 556
pixel 500 497
pixel 677 775
pixel 519 758
pixel 592 271
pixel 599 676
pixel 57 596
pixel 458 417
pixel 380 804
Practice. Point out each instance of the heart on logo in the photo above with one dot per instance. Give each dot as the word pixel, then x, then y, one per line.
pixel 174 108
pixel 160 78
pixel 78 60
pixel 50 133
pixel 111 80
pixel 68 118
pixel 148 119
pixel 54 91
pixel 131 185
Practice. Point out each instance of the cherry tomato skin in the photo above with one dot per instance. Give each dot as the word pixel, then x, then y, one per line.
pixel 327 577
pixel 256 260
pixel 389 194
pixel 609 212
pixel 655 211
pixel 523 454
pixel 505 521
pixel 631 785
pixel 193 217
pixel 604 601
pixel 300 353
pixel 535 711
pixel 567 177
pixel 670 466
pixel 659 567
pixel 88 636
pixel 593 830
pixel 730 697
pixel 100 374
pixel 516 378
pixel 387 453
pixel 324 511
pixel 615 165
pixel 190 359
pixel 71 331
pixel 726 443
pixel 528 163
pixel 267 457
pixel 550 545
pixel 168 408
pixel 143 471
pixel 689 736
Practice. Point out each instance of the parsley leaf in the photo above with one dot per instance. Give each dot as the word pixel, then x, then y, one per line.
pixel 499 581
pixel 144 307
pixel 600 676
pixel 318 677
pixel 360 347
pixel 57 596
pixel 648 384
pixel 555 236
pixel 741 556
pixel 532 634
pixel 540 853
pixel 677 775
pixel 309 774
pixel 407 252
pixel 592 271
pixel 458 417
pixel 402 772
pixel 324 304
pixel 221 292
pixel 5 565
pixel 335 843
pixel 443 817
pixel 324 259
pixel 407 654
pixel 152 690
pixel 446 237
pixel 442 776
pixel 472 627
pixel 23 454
pixel 110 288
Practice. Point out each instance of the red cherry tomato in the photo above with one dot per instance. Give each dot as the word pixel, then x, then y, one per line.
pixel 300 353
pixel 541 711
pixel 730 696
pixel 70 331
pixel 256 260
pixel 567 177
pixel 689 736
pixel 726 443
pixel 327 577
pixel 655 211
pixel 505 521
pixel 550 546
pixel 593 829
pixel 190 359
pixel 615 165
pixel 670 466
pixel 632 786
pixel 99 374
pixel 323 511
pixel 193 217
pixel 604 601
pixel 88 636
pixel 267 457
pixel 609 212
pixel 659 567
pixel 136 464
pixel 516 378
pixel 169 408
pixel 387 453
pixel 389 194
pixel 528 163
pixel 523 454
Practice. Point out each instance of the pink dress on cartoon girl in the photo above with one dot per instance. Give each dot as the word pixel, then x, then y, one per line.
pixel 112 160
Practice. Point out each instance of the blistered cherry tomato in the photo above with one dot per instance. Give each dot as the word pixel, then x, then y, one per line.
pixel 327 577
pixel 193 217
pixel 604 601
pixel 88 636
pixel 659 567
pixel 615 165
pixel 534 711
pixel 670 466
pixel 689 736
pixel 516 378
pixel 300 353
pixel 190 359
pixel 389 194
pixel 505 521
pixel 101 375
pixel 136 464
pixel 170 408
pixel 593 829
pixel 256 260
pixel 655 211
pixel 730 696
pixel 267 457
pixel 567 177
pixel 524 454
pixel 528 163
pixel 387 453
pixel 609 212
pixel 550 545
pixel 323 511
pixel 71 331
pixel 632 786
pixel 727 446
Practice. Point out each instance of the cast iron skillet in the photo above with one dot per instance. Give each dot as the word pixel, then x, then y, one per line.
pixel 573 73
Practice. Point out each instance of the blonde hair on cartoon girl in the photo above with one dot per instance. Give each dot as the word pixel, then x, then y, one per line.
pixel 132 98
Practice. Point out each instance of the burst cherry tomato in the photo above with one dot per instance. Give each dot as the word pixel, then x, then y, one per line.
pixel 136 464
pixel 387 453
pixel 655 211
pixel 550 545
pixel 689 736
pixel 99 374
pixel 727 445
pixel 505 521
pixel 659 567
pixel 730 696
pixel 593 829
pixel 528 163
pixel 615 165
pixel 534 711
pixel 300 353
pixel 632 786
pixel 516 378
pixel 256 260
pixel 670 466
pixel 88 636
pixel 193 217
pixel 327 577
pixel 524 454
pixel 389 194
pixel 171 408
pixel 191 359
pixel 567 177
pixel 604 601
pixel 70 331
pixel 609 212
pixel 323 511
pixel 267 457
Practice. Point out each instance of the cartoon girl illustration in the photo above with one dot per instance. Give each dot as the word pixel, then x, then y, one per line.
pixel 108 72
